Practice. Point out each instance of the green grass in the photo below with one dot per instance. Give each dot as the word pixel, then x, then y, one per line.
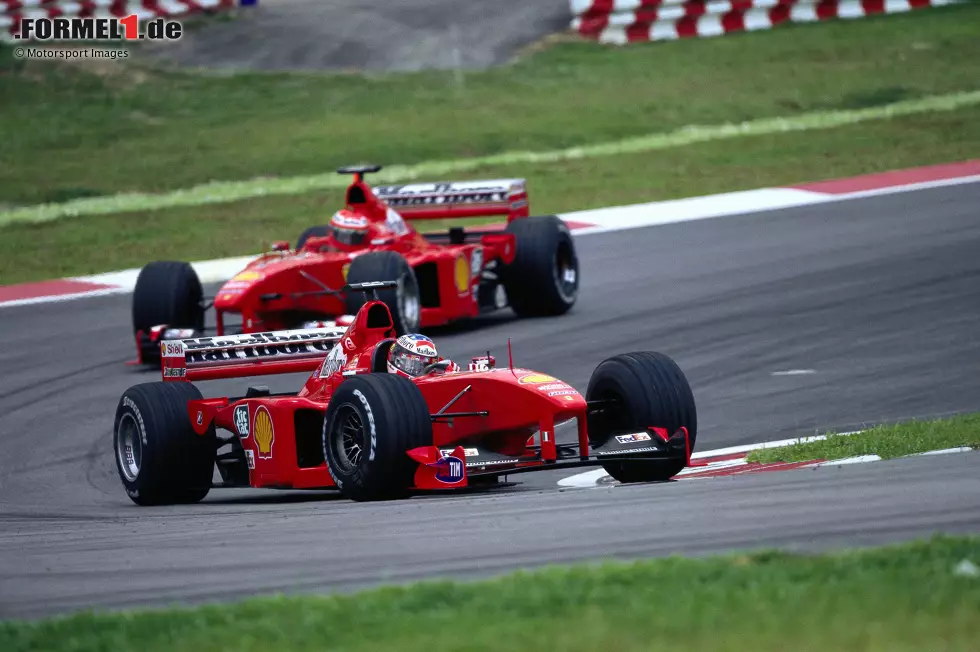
pixel 896 599
pixel 94 129
pixel 96 243
pixel 885 441
pixel 220 192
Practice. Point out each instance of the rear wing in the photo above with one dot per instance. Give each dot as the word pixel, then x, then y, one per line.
pixel 457 199
pixel 253 354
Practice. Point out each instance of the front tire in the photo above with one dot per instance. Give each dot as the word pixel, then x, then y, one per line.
pixel 543 278
pixel 166 292
pixel 159 457
pixel 404 302
pixel 648 389
pixel 372 421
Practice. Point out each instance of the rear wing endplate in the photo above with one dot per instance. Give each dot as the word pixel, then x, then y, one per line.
pixel 253 354
pixel 457 199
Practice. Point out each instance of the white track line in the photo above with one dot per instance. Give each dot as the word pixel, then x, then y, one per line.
pixel 944 451
pixel 591 479
pixel 859 459
pixel 620 218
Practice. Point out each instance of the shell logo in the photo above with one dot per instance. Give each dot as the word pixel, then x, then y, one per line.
pixel 536 379
pixel 264 432
pixel 462 275
pixel 248 276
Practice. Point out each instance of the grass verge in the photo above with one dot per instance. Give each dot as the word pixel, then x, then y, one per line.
pixel 96 127
pixel 229 191
pixel 900 598
pixel 98 243
pixel 887 442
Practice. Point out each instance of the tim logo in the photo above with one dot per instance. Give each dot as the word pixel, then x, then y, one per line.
pixel 449 470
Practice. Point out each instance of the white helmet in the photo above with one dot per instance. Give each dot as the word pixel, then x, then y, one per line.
pixel 411 354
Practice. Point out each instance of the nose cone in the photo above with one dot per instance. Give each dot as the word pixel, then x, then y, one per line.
pixel 569 399
pixel 232 292
pixel 558 391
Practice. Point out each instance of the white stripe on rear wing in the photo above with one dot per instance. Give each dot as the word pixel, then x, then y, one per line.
pixel 253 354
pixel 495 196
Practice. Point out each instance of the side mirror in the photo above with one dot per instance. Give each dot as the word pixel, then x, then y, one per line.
pixel 280 245
pixel 483 363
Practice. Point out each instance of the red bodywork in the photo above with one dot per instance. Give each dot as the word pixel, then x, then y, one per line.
pixel 493 421
pixel 285 287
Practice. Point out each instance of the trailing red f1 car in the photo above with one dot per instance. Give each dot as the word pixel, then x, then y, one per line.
pixel 531 266
pixel 375 425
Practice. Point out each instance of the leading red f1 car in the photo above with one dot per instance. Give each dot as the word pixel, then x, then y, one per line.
pixel 530 265
pixel 373 434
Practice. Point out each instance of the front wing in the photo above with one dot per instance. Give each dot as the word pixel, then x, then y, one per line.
pixel 444 468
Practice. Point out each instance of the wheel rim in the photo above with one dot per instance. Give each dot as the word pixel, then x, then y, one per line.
pixel 409 304
pixel 129 447
pixel 349 438
pixel 566 272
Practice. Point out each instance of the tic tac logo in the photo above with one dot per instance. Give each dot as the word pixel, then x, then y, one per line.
pixel 264 432
pixel 241 420
pixel 125 28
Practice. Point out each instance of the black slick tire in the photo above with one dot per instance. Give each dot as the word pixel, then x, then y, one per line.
pixel 403 302
pixel 166 292
pixel 371 422
pixel 649 389
pixel 159 457
pixel 543 278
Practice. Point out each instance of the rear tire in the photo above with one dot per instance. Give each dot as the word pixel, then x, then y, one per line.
pixel 543 278
pixel 404 302
pixel 166 292
pixel 651 391
pixel 159 457
pixel 312 232
pixel 372 421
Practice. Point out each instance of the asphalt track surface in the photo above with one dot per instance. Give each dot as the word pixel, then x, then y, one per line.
pixel 879 297
pixel 406 35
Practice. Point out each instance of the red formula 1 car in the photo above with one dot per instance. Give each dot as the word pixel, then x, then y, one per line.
pixel 530 265
pixel 374 435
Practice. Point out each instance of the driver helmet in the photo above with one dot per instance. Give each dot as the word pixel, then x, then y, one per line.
pixel 411 354
pixel 349 228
